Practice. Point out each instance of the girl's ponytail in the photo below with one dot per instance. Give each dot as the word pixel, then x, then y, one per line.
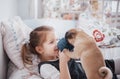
pixel 26 55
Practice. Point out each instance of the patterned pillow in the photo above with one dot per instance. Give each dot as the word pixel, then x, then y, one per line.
pixel 15 33
pixel 98 29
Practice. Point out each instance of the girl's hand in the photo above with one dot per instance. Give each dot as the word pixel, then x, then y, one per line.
pixel 63 57
pixel 64 70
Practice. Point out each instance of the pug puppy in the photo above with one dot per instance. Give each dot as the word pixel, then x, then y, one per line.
pixel 87 51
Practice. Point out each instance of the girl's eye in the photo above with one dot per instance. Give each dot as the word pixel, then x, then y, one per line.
pixel 51 42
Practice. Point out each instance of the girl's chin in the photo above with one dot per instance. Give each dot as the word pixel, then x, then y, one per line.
pixel 57 54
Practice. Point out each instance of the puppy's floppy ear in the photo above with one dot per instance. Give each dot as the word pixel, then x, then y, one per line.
pixel 71 34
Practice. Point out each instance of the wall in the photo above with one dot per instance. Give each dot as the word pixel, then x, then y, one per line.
pixel 8 8
pixel 23 8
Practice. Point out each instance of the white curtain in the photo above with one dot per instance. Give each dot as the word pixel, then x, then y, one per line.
pixel 33 9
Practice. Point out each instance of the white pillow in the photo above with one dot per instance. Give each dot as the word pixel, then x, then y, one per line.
pixel 15 33
pixel 96 28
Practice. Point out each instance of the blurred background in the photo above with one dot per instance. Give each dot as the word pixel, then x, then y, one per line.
pixel 61 9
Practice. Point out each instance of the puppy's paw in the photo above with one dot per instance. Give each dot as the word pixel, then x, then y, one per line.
pixel 65 50
pixel 71 54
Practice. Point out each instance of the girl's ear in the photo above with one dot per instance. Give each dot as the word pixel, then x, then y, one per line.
pixel 39 49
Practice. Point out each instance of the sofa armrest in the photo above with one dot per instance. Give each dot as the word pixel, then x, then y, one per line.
pixel 118 76
pixel 3 61
pixel 117 65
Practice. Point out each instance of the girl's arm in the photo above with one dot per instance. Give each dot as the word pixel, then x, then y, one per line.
pixel 48 71
pixel 64 71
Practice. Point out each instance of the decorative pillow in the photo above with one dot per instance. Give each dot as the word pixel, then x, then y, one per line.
pixel 98 29
pixel 15 33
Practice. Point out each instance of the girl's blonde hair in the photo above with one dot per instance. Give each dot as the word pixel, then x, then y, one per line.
pixel 37 37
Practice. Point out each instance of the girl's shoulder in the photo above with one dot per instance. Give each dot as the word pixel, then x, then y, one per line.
pixel 48 71
pixel 45 64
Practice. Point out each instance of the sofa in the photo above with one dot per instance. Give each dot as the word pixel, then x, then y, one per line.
pixel 3 61
pixel 61 26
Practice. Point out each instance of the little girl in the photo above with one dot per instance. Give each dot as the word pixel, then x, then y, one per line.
pixel 43 43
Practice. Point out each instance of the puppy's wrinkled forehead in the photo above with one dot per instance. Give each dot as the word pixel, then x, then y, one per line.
pixel 71 33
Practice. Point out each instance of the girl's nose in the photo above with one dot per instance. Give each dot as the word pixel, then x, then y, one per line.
pixel 56 47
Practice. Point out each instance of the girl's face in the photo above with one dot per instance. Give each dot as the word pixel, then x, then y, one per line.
pixel 49 49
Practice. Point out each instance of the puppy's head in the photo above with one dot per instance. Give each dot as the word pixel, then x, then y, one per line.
pixel 71 35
